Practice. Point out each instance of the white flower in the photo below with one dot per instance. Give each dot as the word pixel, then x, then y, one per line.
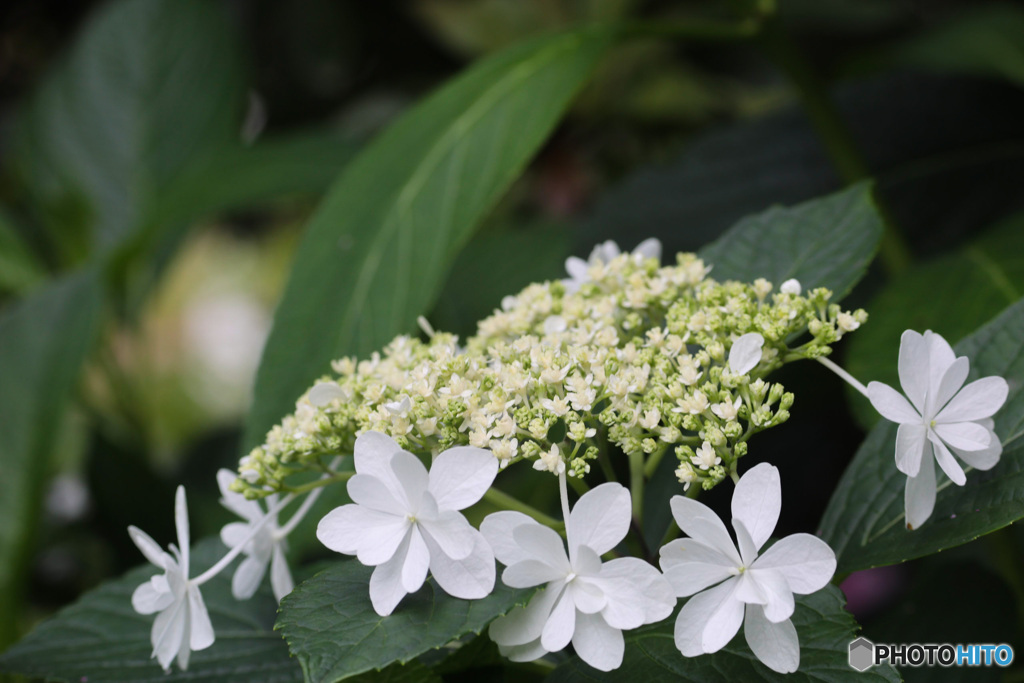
pixel 405 521
pixel 183 623
pixel 941 412
pixel 791 286
pixel 605 252
pixel 705 457
pixel 324 393
pixel 268 546
pixel 745 353
pixel 685 475
pixel 757 590
pixel 726 410
pixel 584 601
pixel 550 461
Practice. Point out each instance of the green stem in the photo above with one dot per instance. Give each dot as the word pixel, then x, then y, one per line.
pixel 834 134
pixel 636 485
pixel 320 483
pixel 652 462
pixel 507 502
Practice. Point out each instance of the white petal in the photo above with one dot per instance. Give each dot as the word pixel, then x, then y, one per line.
pixel 452 532
pixel 417 561
pixel 530 573
pixel 709 620
pixel 690 566
pixel 748 551
pixel 560 625
pixel 979 399
pixel 372 493
pixel 806 561
pixel 587 563
pixel 791 286
pixel 543 544
pixel 247 578
pixel 600 519
pixel 984 459
pixel 372 455
pixel 891 405
pixel 629 581
pixel 911 440
pixel 168 633
pixel 529 651
pixel 649 248
pixel 236 502
pixel 460 476
pixel 148 546
pixel 587 596
pixel 152 596
pixel 525 624
pixel 950 383
pixel 779 603
pixel 323 393
pixel 776 645
pixel 497 528
pixel 700 523
pixel 412 476
pixel 757 500
pixel 919 496
pixel 201 636
pixel 597 643
pixel 940 357
pixel 470 578
pixel 181 526
pixel 749 591
pixel 967 436
pixel 280 576
pixel 386 589
pixel 913 368
pixel 354 530
pixel 948 464
pixel 745 353
pixel 577 268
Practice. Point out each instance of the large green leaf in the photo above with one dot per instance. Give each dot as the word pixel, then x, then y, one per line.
pixel 149 86
pixel 953 295
pixel 826 242
pixel 44 340
pixel 825 631
pixel 332 629
pixel 375 254
pixel 101 639
pixel 864 519
pixel 20 269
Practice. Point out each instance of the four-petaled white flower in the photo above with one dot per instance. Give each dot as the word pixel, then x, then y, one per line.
pixel 585 601
pixel 745 353
pixel 405 521
pixel 761 586
pixel 183 624
pixel 268 546
pixel 942 413
pixel 605 252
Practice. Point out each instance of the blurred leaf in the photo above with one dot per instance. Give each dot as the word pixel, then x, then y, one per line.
pixel 493 265
pixel 941 174
pixel 826 242
pixel 825 631
pixel 987 40
pixel 864 520
pixel 334 632
pixel 952 295
pixel 374 255
pixel 44 340
pixel 101 639
pixel 19 267
pixel 149 86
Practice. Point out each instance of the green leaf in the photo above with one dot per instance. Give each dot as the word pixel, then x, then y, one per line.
pixel 149 86
pixel 101 639
pixel 826 242
pixel 953 295
pixel 44 340
pixel 864 519
pixel 375 254
pixel 825 631
pixel 332 629
pixel 19 267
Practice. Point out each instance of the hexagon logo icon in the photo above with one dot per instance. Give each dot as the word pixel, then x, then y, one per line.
pixel 862 654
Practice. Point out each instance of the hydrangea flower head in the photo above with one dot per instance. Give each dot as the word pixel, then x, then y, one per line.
pixel 404 521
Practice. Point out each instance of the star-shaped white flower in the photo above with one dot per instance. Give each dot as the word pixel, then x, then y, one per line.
pixel 584 601
pixel 268 546
pixel 604 253
pixel 405 521
pixel 746 353
pixel 183 623
pixel 750 588
pixel 942 413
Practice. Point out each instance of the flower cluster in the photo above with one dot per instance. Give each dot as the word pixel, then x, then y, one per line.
pixel 625 352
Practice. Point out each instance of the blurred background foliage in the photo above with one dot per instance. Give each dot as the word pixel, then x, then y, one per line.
pixel 159 161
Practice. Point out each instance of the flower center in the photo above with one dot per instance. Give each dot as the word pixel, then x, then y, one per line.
pixel 569 577
pixel 411 517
